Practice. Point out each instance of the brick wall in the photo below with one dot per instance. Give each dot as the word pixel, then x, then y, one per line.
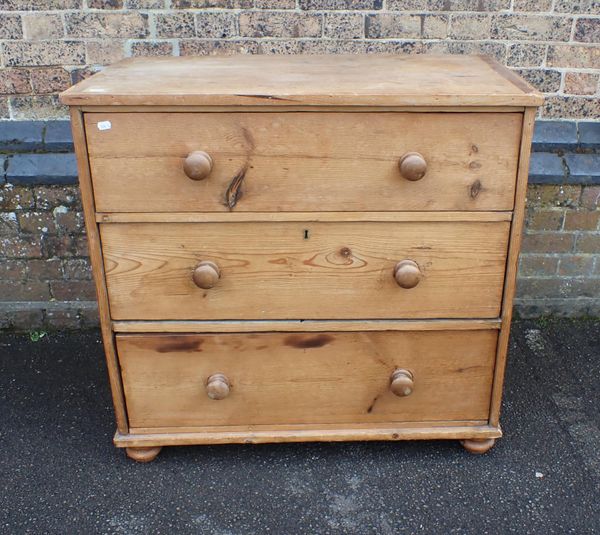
pixel 45 277
pixel 46 45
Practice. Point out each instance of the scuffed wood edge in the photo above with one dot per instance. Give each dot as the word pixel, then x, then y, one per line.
pixel 279 109
pixel 302 326
pixel 95 249
pixel 510 76
pixel 315 100
pixel 307 433
pixel 512 263
pixel 258 217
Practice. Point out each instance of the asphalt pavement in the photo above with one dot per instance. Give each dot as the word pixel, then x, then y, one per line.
pixel 60 474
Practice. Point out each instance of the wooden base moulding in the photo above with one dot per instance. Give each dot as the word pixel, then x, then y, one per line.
pixel 475 439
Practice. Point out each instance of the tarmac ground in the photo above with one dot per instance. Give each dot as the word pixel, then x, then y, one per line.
pixel 60 474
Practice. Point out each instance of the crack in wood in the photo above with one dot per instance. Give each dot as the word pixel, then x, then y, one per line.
pixel 267 97
pixel 234 192
pixel 370 409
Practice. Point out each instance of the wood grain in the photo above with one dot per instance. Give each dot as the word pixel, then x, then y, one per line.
pixel 95 249
pixel 262 217
pixel 399 80
pixel 303 326
pixel 288 109
pixel 304 271
pixel 474 425
pixel 306 433
pixel 512 263
pixel 303 161
pixel 306 378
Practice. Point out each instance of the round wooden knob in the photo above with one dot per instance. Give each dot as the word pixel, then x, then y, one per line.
pixel 402 383
pixel 412 166
pixel 217 386
pixel 407 274
pixel 197 165
pixel 206 275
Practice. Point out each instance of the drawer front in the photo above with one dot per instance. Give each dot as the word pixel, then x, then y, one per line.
pixel 299 270
pixel 306 378
pixel 266 162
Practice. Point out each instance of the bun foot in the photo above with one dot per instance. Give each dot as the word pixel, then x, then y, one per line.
pixel 143 455
pixel 478 446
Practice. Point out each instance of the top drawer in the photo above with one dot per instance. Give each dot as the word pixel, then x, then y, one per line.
pixel 303 161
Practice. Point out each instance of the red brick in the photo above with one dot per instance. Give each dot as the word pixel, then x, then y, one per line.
pixel 81 245
pixel 151 48
pixel 9 224
pixel 548 242
pixel 4 113
pixel 77 75
pixel 21 247
pixel 24 291
pixel 10 26
pixel 37 223
pixel 105 4
pixel 558 288
pixel 551 195
pixel 42 26
pixel 590 197
pixel 545 219
pixel 587 30
pixel 105 51
pixel 13 269
pixel 70 222
pixel 77 269
pixel 73 290
pixel 15 198
pixel 579 83
pixel 575 265
pixel 26 107
pixel 581 220
pixel 572 107
pixel 44 269
pixel 50 197
pixel 588 243
pixel 89 317
pixel 47 52
pixel 106 24
pixel 537 265
pixel 280 24
pixel 59 246
pixel 50 80
pixel 14 81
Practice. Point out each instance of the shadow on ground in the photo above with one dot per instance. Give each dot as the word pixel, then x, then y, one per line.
pixel 60 474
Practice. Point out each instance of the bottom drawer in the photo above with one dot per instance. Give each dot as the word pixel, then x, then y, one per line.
pixel 306 378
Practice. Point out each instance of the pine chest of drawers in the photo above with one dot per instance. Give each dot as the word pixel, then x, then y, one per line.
pixel 304 248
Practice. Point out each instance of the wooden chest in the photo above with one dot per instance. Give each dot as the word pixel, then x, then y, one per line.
pixel 304 248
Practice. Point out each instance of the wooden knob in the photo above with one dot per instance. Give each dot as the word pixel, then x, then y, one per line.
pixel 407 274
pixel 197 165
pixel 217 386
pixel 412 166
pixel 402 383
pixel 206 274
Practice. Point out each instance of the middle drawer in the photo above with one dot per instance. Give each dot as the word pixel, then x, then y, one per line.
pixel 304 270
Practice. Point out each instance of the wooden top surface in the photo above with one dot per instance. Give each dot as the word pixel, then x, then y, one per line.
pixel 245 80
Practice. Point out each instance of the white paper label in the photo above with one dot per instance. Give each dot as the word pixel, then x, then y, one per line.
pixel 104 125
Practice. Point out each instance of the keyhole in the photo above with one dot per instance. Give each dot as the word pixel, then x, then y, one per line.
pixel 306 234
